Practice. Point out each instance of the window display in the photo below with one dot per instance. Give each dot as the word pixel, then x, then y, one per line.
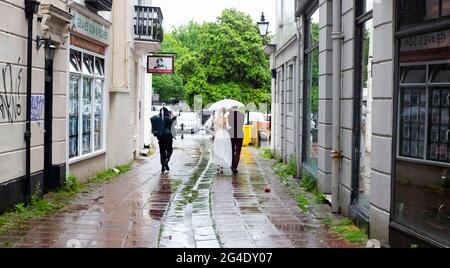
pixel 85 103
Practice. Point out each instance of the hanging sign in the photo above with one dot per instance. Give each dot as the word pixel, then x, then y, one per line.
pixel 160 64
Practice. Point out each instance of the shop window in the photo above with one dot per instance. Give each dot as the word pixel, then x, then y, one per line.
pixel 311 94
pixel 362 105
pixel 86 104
pixel 421 171
pixel 422 192
pixel 416 122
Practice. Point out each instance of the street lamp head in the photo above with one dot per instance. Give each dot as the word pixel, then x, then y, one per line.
pixel 50 49
pixel 263 25
pixel 31 7
pixel 49 46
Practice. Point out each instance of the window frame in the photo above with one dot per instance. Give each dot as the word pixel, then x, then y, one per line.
pixel 427 86
pixel 308 50
pixel 290 88
pixel 395 227
pixel 361 18
pixel 81 76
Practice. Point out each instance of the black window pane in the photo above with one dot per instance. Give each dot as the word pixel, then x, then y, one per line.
pixel 440 73
pixel 413 75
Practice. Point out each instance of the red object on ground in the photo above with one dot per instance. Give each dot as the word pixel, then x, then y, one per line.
pixel 267 189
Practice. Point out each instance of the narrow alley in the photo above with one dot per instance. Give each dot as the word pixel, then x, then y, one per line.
pixel 192 206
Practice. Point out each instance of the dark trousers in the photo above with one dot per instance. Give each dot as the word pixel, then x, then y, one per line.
pixel 236 147
pixel 165 149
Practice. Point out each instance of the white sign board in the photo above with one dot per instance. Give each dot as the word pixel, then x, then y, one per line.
pixel 160 64
pixel 89 28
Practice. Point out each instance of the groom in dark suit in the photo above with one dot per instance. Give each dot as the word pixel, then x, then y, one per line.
pixel 236 122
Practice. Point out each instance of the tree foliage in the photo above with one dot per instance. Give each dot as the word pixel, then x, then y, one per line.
pixel 222 59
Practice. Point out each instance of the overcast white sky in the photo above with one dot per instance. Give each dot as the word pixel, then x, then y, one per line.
pixel 179 12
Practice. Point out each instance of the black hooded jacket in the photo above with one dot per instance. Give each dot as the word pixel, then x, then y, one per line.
pixel 168 122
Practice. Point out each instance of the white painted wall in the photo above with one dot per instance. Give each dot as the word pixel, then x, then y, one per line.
pixel 13 81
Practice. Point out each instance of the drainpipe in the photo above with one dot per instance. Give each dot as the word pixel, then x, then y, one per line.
pixel 31 7
pixel 336 153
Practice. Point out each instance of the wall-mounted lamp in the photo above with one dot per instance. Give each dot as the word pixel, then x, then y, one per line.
pixel 49 46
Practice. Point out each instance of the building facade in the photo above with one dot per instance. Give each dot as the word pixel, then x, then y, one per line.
pixel 90 102
pixel 384 157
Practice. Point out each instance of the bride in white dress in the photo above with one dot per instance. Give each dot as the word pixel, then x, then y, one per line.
pixel 222 142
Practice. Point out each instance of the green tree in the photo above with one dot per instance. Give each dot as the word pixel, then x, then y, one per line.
pixel 169 87
pixel 221 59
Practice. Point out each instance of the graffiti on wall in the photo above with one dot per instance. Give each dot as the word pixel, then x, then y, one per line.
pixel 37 107
pixel 10 106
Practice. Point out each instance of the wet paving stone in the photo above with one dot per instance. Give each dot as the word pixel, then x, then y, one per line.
pixel 192 206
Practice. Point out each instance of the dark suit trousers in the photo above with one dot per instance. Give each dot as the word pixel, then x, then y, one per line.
pixel 165 149
pixel 236 147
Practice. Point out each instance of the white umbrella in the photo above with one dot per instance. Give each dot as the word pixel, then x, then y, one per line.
pixel 227 104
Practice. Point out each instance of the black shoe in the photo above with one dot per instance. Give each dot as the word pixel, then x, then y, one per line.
pixel 235 171
pixel 163 169
pixel 167 167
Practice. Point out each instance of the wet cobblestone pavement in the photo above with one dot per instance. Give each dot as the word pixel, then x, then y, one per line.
pixel 191 206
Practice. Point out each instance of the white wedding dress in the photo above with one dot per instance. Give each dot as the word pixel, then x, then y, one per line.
pixel 222 144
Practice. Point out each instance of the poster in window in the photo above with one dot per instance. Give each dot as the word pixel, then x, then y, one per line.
pixel 445 98
pixel 435 116
pixel 421 150
pixel 436 98
pixel 423 98
pixel 434 134
pixel 444 116
pixel 407 97
pixel 443 152
pixel 406 114
pixel 406 134
pixel 415 114
pixel 444 134
pixel 414 132
pixel 423 115
pixel 160 64
pixel 405 148
pixel 414 150
pixel 434 151
pixel 415 97
pixel 422 133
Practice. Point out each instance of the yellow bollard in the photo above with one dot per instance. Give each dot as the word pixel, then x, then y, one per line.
pixel 247 135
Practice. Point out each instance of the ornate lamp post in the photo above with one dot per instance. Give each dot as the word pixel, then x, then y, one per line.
pixel 263 25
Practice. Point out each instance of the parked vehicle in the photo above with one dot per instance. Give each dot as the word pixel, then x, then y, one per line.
pixel 188 122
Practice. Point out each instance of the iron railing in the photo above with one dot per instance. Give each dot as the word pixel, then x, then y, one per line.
pixel 100 5
pixel 148 23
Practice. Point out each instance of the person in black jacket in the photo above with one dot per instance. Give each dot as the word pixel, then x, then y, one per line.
pixel 236 121
pixel 166 139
